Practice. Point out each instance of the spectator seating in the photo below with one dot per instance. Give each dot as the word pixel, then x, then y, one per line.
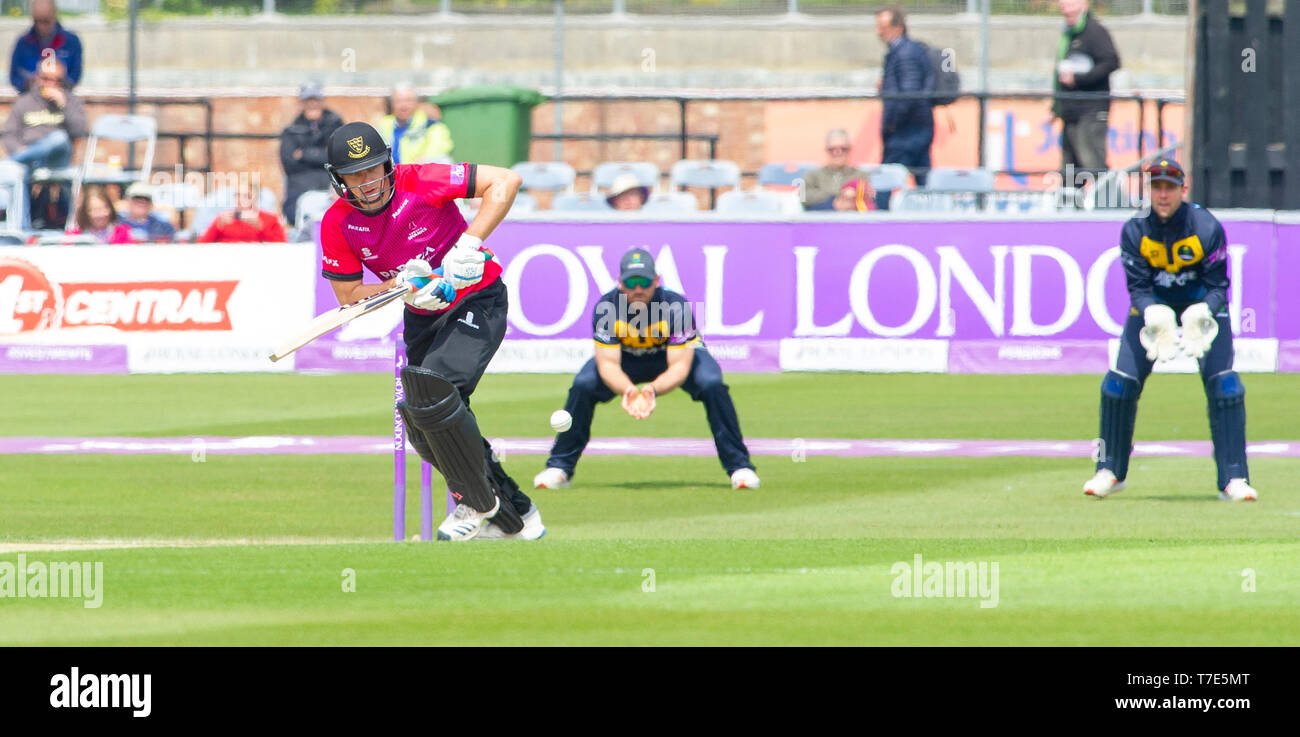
pixel 128 129
pixel 949 179
pixel 757 202
pixel 646 173
pixel 548 176
pixel 580 202
pixel 706 173
pixel 311 207
pixel 784 174
pixel 671 203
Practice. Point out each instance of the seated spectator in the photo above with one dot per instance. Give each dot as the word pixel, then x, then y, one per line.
pixel 44 121
pixel 414 136
pixel 245 224
pixel 627 193
pixel 302 148
pixel 855 196
pixel 820 186
pixel 146 226
pixel 47 37
pixel 97 218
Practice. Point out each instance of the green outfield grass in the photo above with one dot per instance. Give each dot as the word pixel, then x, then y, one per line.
pixel 807 559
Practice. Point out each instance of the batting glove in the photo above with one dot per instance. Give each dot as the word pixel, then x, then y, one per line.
pixel 435 296
pixel 1199 330
pixel 463 264
pixel 414 274
pixel 1160 336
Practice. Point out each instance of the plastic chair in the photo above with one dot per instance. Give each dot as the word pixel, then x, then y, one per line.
pixel 548 176
pixel 603 176
pixel 128 129
pixel 949 179
pixel 888 177
pixel 751 202
pixel 784 173
pixel 580 202
pixel 707 173
pixel 311 206
pixel 671 203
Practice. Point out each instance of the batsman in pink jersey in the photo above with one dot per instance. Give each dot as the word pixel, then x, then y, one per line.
pixel 401 223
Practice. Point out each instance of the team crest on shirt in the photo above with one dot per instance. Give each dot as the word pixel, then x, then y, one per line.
pixel 358 146
pixel 458 174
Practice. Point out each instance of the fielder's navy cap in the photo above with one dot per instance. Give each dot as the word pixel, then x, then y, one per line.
pixel 637 262
pixel 1166 170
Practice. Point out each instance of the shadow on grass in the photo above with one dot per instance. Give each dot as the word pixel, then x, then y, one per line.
pixel 657 485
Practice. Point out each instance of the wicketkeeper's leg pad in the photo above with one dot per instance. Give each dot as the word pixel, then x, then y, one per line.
pixel 434 406
pixel 1226 399
pixel 1119 402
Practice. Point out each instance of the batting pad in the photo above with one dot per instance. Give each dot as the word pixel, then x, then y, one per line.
pixel 1227 409
pixel 1119 405
pixel 434 406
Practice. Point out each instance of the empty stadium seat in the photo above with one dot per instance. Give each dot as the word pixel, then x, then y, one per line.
pixel 948 179
pixel 888 177
pixel 646 173
pixel 755 202
pixel 784 173
pixel 580 202
pixel 549 176
pixel 671 203
pixel 707 173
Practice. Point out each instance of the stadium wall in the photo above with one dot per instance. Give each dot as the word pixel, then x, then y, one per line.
pixel 661 52
pixel 980 295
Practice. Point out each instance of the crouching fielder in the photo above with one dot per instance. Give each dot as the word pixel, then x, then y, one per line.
pixel 401 223
pixel 1175 261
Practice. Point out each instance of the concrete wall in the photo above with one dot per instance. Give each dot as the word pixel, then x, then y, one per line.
pixel 645 52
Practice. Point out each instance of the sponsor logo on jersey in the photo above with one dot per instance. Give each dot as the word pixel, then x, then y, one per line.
pixel 399 209
pixel 366 255
pixel 417 233
pixel 359 228
pixel 458 174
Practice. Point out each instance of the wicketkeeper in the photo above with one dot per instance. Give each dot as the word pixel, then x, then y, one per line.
pixel 646 334
pixel 1175 261
pixel 401 223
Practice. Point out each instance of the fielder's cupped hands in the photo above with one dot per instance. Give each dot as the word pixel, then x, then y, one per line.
pixel 1199 330
pixel 1160 334
pixel 647 401
pixel 630 399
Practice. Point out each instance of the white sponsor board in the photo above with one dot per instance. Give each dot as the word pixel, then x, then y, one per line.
pixel 175 308
pixel 864 354
pixel 1251 355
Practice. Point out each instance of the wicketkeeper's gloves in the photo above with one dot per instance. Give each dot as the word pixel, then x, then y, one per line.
pixel 1160 335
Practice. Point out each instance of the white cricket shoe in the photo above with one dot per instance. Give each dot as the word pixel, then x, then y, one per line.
pixel 551 478
pixel 1238 491
pixel 465 522
pixel 1103 484
pixel 533 528
pixel 744 478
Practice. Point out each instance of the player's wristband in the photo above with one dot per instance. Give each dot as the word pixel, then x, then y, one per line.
pixel 471 242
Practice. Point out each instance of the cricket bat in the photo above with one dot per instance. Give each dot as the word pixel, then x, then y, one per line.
pixel 338 317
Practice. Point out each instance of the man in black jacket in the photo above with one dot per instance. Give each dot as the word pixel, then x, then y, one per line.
pixel 303 148
pixel 1085 59
pixel 906 125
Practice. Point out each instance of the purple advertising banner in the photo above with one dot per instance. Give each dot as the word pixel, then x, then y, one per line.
pixel 1005 296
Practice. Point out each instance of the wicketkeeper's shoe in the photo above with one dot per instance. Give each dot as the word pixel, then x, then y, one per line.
pixel 1103 484
pixel 744 478
pixel 533 528
pixel 1238 491
pixel 465 522
pixel 551 478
